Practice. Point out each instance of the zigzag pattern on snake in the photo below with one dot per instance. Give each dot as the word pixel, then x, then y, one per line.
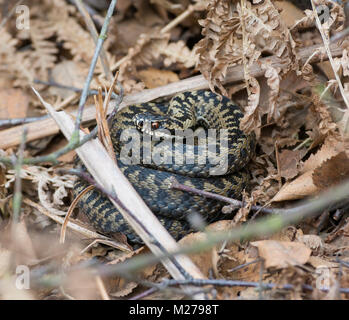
pixel 188 110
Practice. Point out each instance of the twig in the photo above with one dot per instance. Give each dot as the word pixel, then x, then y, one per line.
pixel 101 39
pixel 329 55
pixel 144 294
pixel 90 25
pixel 340 35
pixel 164 30
pixel 101 288
pixel 74 140
pixel 17 163
pixel 17 121
pixel 234 283
pixel 244 265
pixel 233 202
pixel 70 211
pixel 10 14
pixel 71 88
pixel 185 14
pixel 53 157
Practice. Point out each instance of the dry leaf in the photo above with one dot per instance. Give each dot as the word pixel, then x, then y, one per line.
pixel 13 104
pixel 289 163
pixel 153 78
pixel 304 185
pixel 71 74
pixel 205 260
pixel 312 241
pixel 332 171
pixel 282 254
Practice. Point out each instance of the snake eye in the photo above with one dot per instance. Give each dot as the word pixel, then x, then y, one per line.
pixel 155 125
pixel 140 123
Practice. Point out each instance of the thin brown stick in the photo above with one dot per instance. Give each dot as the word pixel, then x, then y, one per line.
pixel 233 202
pixel 93 31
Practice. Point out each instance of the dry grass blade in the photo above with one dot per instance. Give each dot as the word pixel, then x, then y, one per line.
pixel 70 211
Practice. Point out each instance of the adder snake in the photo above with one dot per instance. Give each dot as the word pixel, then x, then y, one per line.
pixel 158 121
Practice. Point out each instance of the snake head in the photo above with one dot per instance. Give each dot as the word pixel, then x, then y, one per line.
pixel 151 124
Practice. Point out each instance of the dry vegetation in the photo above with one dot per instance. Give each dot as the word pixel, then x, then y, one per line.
pixel 272 58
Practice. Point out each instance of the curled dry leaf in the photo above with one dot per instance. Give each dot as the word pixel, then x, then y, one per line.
pixel 305 185
pixel 273 76
pixel 282 254
pixel 252 117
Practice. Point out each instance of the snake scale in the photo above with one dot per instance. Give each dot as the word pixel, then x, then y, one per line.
pixel 189 110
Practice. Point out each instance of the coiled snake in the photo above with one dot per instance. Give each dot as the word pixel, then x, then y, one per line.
pixel 160 124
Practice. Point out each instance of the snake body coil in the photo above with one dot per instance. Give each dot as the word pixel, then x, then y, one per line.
pixel 189 110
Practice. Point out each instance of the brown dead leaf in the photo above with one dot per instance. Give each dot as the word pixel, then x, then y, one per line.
pixel 289 162
pixel 205 260
pixel 282 254
pixel 331 147
pixel 13 104
pixel 69 73
pixel 56 145
pixel 153 78
pixel 332 171
pixel 81 285
pixel 304 185
pixel 297 189
pixel 290 13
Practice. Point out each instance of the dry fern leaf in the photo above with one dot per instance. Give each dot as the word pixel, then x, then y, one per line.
pixel 75 39
pixel 42 55
pixel 331 17
pixel 13 65
pixel 150 49
pixel 236 32
pixel 146 50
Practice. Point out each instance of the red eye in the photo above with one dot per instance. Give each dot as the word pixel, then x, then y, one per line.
pixel 155 125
